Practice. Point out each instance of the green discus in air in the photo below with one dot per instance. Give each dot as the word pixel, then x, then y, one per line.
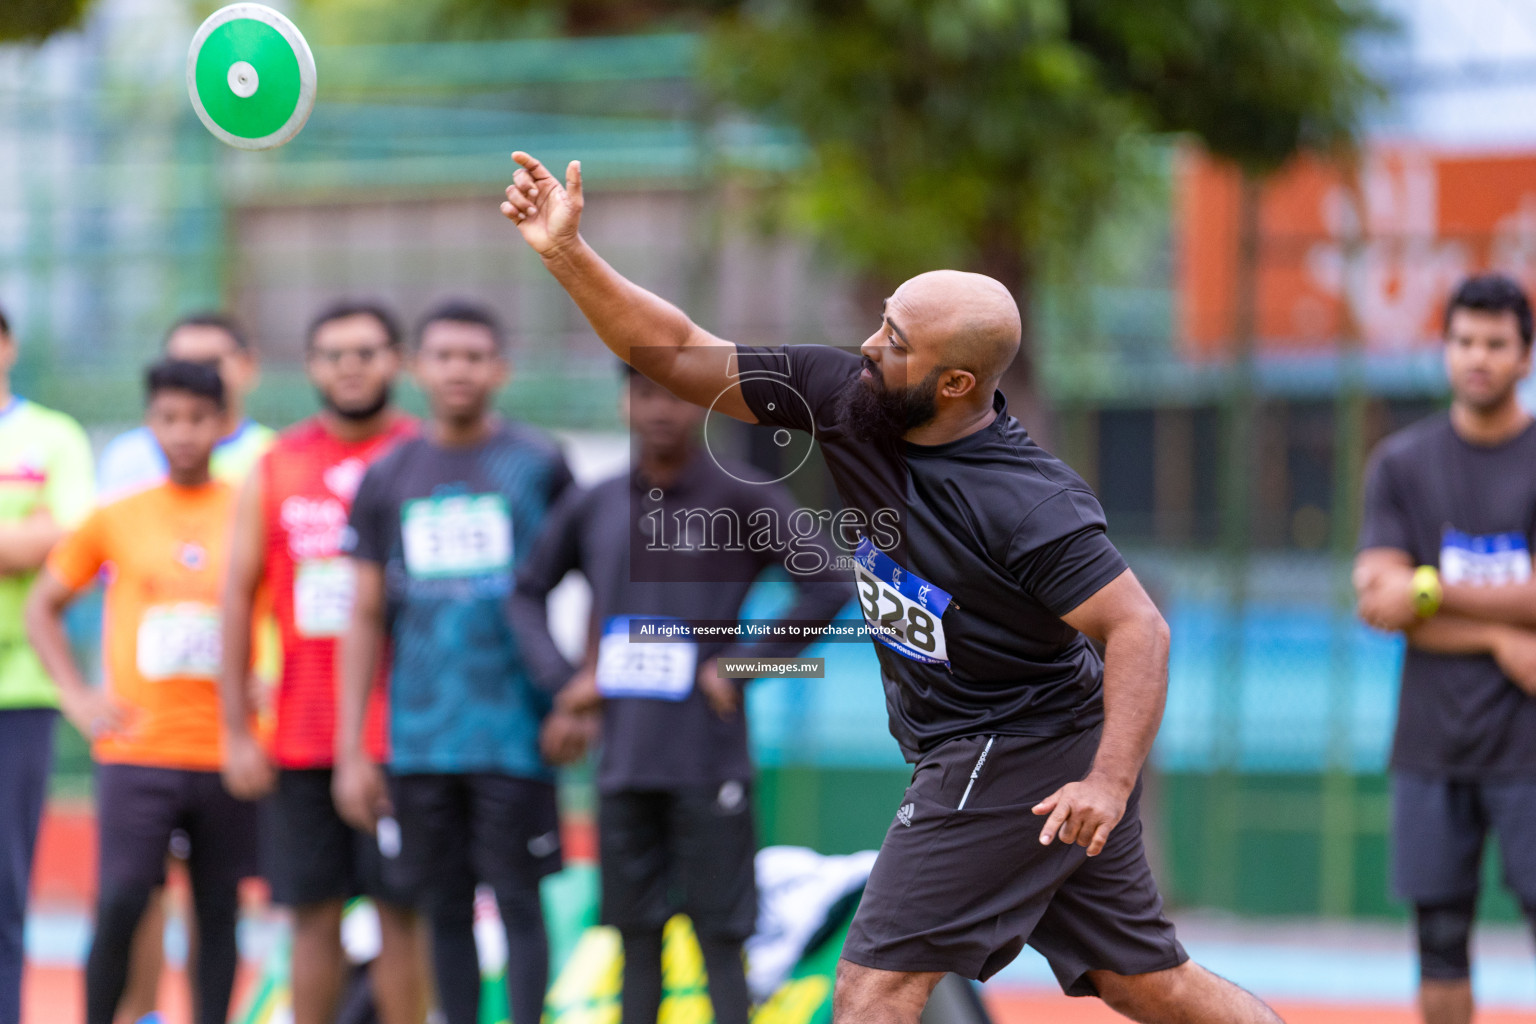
pixel 251 76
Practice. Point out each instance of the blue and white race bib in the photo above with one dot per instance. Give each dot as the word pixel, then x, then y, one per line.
pixel 1491 560
pixel 664 670
pixel 904 611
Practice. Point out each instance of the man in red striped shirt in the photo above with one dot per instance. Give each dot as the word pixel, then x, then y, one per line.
pixel 287 536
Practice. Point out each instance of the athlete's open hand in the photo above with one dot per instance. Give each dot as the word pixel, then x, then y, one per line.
pixel 580 695
pixel 566 736
pixel 357 788
pixel 94 712
pixel 248 774
pixel 1083 812
pixel 547 214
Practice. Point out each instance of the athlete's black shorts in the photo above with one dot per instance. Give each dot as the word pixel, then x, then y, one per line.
pixel 312 855
pixel 683 851
pixel 137 809
pixel 460 829
pixel 962 882
pixel 1439 826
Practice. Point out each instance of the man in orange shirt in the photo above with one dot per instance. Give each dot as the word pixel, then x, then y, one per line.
pixel 154 726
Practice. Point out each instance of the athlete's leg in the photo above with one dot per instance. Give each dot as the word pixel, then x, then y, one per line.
pixel 223 833
pixel 435 866
pixel 316 863
pixel 711 844
pixel 216 901
pixel 641 999
pixel 1446 1002
pixel 26 753
pixel 136 810
pixel 307 850
pixel 216 910
pixel 1445 960
pixel 455 959
pixel 1511 808
pixel 119 906
pixel 1186 994
pixel 515 842
pixel 866 995
pixel 146 961
pixel 727 979
pixel 399 973
pixel 1438 830
pixel 522 915
pixel 319 968
pixel 632 849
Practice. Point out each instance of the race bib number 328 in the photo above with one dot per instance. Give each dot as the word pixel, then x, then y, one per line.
pixel 460 535
pixel 904 611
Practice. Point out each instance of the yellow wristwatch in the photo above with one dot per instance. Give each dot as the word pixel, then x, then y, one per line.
pixel 1427 591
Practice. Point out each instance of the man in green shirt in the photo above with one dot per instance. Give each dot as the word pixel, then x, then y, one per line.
pixel 46 488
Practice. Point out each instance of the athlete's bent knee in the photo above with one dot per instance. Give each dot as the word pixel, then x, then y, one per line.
pixel 869 994
pixel 1143 996
pixel 1445 939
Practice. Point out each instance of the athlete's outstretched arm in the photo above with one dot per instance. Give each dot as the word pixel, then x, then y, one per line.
pixel 358 784
pixel 247 772
pixel 90 709
pixel 641 328
pixel 1135 637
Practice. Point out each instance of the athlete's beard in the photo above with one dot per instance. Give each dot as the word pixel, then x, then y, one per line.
pixel 1487 405
pixel 362 412
pixel 870 411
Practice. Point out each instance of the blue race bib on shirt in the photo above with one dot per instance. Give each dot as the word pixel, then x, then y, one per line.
pixel 1491 560
pixel 904 611
pixel 663 670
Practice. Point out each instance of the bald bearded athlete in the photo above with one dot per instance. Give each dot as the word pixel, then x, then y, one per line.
pixel 1021 822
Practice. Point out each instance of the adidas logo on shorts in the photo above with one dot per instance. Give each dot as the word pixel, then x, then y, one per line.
pixel 904 814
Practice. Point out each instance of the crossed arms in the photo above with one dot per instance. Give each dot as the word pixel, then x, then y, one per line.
pixel 1495 620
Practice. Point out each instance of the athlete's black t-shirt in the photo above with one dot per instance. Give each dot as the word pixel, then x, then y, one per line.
pixel 973 551
pixel 1470 510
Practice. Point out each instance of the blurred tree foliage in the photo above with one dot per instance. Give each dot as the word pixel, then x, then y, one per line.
pixel 34 20
pixel 996 134
pixel 989 134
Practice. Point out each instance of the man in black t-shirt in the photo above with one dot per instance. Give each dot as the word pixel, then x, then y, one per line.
pixel 669 541
pixel 1445 558
pixel 983 569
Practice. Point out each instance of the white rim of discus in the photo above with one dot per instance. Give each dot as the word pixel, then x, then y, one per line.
pixel 237 82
